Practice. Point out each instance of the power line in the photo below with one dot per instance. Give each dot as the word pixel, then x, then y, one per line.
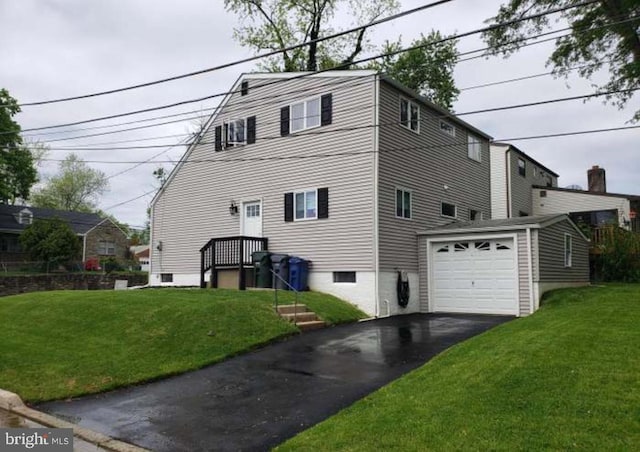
pixel 354 153
pixel 246 60
pixel 304 75
pixel 354 128
pixel 338 82
pixel 131 200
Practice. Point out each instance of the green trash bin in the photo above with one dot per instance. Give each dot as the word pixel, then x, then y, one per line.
pixel 262 265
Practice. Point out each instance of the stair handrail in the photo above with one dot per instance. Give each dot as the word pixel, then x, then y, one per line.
pixel 275 292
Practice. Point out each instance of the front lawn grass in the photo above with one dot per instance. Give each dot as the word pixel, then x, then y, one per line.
pixel 68 343
pixel 567 377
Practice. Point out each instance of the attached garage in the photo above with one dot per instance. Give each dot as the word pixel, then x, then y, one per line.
pixel 500 266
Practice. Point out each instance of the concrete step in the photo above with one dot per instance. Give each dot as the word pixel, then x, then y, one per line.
pixel 312 325
pixel 300 317
pixel 291 308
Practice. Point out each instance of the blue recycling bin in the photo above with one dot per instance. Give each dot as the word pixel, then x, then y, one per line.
pixel 298 273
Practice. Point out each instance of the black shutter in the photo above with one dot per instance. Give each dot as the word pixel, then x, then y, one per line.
pixel 325 110
pixel 288 207
pixel 323 202
pixel 218 139
pixel 244 88
pixel 284 121
pixel 226 135
pixel 251 130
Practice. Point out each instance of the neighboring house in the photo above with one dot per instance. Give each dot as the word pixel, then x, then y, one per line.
pixel 513 174
pixel 140 254
pixel 500 266
pixel 595 207
pixel 100 236
pixel 340 168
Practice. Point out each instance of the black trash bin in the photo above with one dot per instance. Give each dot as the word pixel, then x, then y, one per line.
pixel 280 266
pixel 262 268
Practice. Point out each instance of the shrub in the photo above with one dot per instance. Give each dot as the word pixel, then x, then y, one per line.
pixel 620 257
pixel 51 241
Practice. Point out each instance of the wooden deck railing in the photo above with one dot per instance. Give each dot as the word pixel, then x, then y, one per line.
pixel 229 253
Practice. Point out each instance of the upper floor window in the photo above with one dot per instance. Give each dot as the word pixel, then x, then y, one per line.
pixel 106 248
pixel 403 203
pixel 410 115
pixel 447 128
pixel 522 167
pixel 305 114
pixel 475 215
pixel 236 132
pixel 474 147
pixel 25 217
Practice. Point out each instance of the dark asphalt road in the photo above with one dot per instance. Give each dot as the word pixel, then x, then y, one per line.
pixel 256 401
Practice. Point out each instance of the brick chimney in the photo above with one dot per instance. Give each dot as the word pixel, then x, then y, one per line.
pixel 597 179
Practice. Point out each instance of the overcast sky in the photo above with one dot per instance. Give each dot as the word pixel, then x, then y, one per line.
pixel 57 48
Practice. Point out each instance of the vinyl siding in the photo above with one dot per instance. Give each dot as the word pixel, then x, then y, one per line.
pixel 557 201
pixel 423 274
pixel 551 254
pixel 423 163
pixel 521 187
pixel 194 206
pixel 524 301
pixel 498 182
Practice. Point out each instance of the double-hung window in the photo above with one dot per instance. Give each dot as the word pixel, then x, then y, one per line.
pixel 106 248
pixel 305 114
pixel 403 203
pixel 474 148
pixel 522 167
pixel 306 205
pixel 410 115
pixel 236 131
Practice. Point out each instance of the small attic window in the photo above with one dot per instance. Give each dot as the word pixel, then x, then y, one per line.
pixel 25 216
pixel 244 88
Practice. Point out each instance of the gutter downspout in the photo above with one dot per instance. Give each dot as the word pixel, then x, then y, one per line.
pixel 507 161
pixel 376 250
pixel 84 248
pixel 530 271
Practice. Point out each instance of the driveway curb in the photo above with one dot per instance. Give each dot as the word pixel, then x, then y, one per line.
pixel 13 403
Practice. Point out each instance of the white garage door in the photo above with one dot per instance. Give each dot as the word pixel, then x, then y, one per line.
pixel 475 276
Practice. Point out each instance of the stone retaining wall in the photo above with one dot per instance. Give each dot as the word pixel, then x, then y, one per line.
pixel 12 285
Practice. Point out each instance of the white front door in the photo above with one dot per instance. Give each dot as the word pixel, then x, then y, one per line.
pixel 251 224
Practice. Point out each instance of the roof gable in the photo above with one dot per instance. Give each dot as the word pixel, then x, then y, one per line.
pixel 79 222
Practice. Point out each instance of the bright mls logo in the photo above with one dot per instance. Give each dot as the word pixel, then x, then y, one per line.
pixel 36 439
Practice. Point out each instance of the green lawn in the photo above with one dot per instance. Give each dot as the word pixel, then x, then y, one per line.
pixel 67 343
pixel 567 377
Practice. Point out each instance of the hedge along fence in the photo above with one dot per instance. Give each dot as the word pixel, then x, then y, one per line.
pixel 16 284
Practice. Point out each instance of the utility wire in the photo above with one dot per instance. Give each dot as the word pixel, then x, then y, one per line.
pixel 304 75
pixel 354 153
pixel 368 126
pixel 249 59
pixel 338 82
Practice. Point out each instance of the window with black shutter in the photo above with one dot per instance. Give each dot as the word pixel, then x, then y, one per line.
pixel 306 205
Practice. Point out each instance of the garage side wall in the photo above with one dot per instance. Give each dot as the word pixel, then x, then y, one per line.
pixel 551 254
pixel 524 282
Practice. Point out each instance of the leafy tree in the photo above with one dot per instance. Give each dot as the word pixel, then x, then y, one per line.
pixel 427 68
pixel 51 241
pixel 619 258
pixel 604 34
pixel 278 24
pixel 17 170
pixel 76 187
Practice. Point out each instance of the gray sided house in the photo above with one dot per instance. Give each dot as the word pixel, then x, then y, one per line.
pixel 340 168
pixel 500 266
pixel 100 236
pixel 513 174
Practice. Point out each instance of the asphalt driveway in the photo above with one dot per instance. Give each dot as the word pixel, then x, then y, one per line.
pixel 256 401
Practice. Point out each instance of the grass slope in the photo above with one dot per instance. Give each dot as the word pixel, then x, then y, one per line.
pixel 564 378
pixel 68 343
